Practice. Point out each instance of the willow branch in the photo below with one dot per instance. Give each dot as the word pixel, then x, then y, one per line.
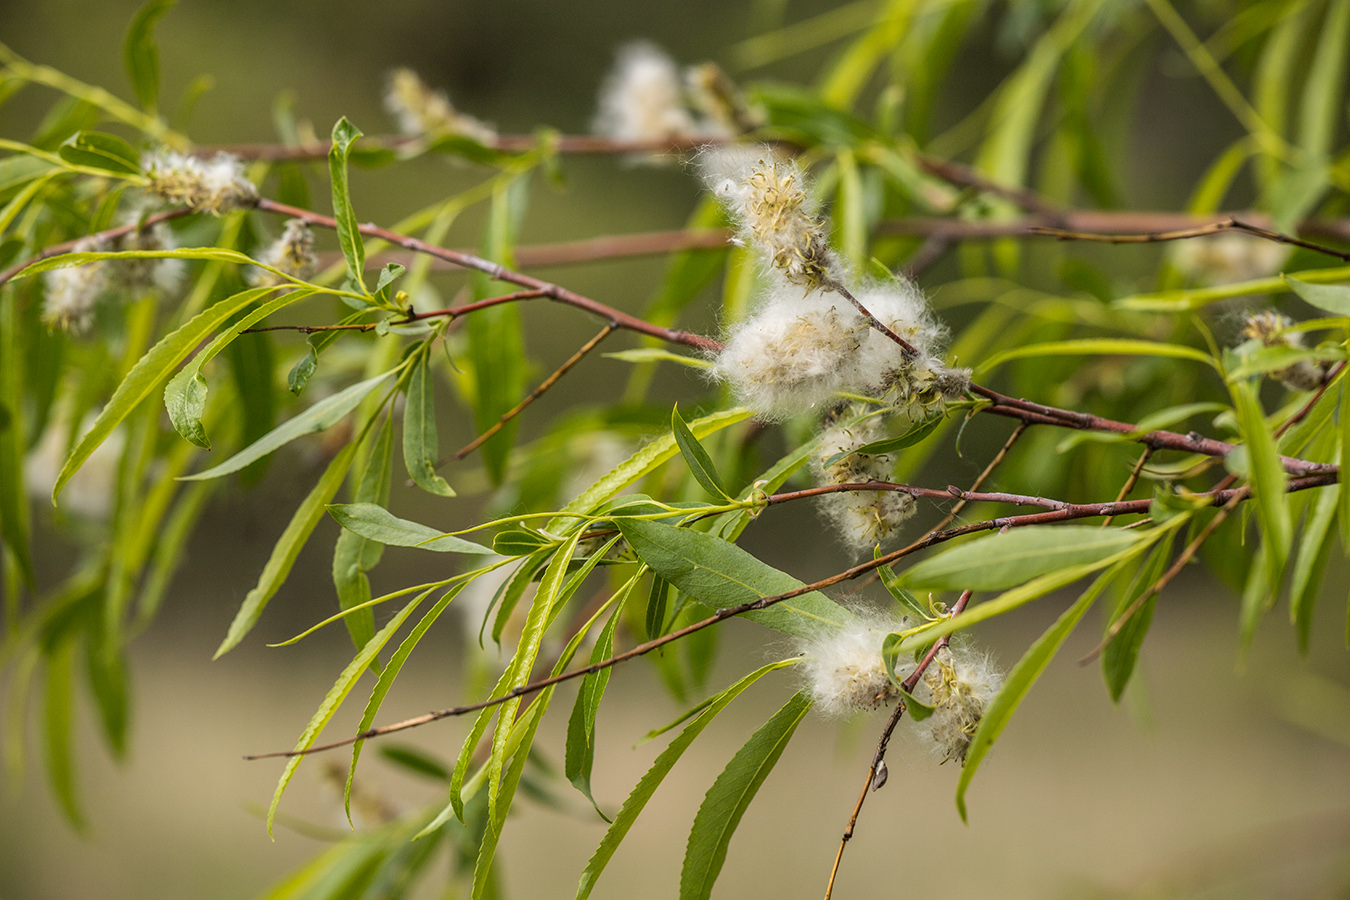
pixel 1229 224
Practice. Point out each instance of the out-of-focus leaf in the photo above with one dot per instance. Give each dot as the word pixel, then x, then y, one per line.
pixel 14 528
pixel 354 555
pixel 1268 482
pixel 657 354
pixel 1322 110
pixel 580 750
pixel 1097 347
pixel 96 150
pixel 730 795
pixel 58 729
pixel 719 574
pixel 1333 298
pixel 140 53
pixel 1309 563
pixel 1121 654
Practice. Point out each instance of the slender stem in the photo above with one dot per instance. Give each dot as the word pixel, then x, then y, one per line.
pixel 1069 512
pixel 879 757
pixel 1131 481
pixel 537 392
pixel 1229 224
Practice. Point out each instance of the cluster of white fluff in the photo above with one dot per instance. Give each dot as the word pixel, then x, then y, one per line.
pixel 1228 257
pixel 1271 329
pixel 74 291
pixel 844 670
pixel 215 186
pixel 962 682
pixel 809 345
pixel 292 253
pixel 862 519
pixel 421 111
pixel 644 97
pixel 137 275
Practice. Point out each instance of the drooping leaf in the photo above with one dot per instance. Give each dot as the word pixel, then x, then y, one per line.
pixel 911 437
pixel 319 417
pixel 579 754
pixel 58 730
pixel 665 761
pixel 1097 347
pixel 287 548
pixel 1018 683
pixel 421 447
pixel 1332 298
pixel 998 561
pixel 699 462
pixel 1322 109
pixel 1268 482
pixel 14 527
pixel 140 54
pixel 1309 563
pixel 719 574
pixel 1121 654
pixel 730 795
pixel 355 555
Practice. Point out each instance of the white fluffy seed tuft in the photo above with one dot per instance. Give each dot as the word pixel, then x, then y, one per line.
pixel 962 683
pixel 643 97
pixel 844 670
pixel 74 291
pixel 216 186
pixel 421 111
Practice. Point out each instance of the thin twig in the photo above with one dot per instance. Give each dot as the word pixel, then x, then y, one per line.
pixel 1069 512
pixel 879 757
pixel 1131 481
pixel 537 392
pixel 1229 224
pixel 408 319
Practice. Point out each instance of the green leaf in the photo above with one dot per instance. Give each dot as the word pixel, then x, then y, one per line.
pixel 1343 486
pixel 998 561
pixel 580 749
pixel 378 524
pixel 148 373
pixel 887 445
pixel 287 548
pixel 917 709
pixel 646 460
pixel 414 760
pixel 140 54
pixel 1322 111
pixel 1333 298
pixel 14 526
pixel 58 730
pixel 665 761
pixel 355 555
pixel 719 574
pixel 96 150
pixel 336 694
pixel 1309 563
pixel 1018 683
pixel 1268 482
pixel 1097 347
pixel 421 447
pixel 319 417
pixel 185 394
pixel 730 795
pixel 348 229
pixel 496 346
pixel 391 671
pixel 700 463
pixel 909 606
pixel 1121 654
pixel 520 542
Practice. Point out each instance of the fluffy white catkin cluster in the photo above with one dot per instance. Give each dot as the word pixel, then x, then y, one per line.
pixel 421 111
pixel 962 683
pixel 74 293
pixel 646 97
pixel 1271 329
pixel 844 670
pixel 807 347
pixel 215 186
pixel 292 253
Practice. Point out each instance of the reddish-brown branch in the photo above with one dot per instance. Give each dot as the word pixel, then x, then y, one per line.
pixel 500 273
pixel 1229 224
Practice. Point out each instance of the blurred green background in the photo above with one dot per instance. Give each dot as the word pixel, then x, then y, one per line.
pixel 1210 781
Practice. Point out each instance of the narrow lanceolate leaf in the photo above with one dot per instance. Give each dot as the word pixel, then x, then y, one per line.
pixel 665 761
pixel 1121 654
pixel 1343 487
pixel 1098 347
pixel 148 373
pixel 58 729
pixel 1268 482
pixel 348 229
pixel 287 548
pixel 1332 298
pixel 319 417
pixel 141 55
pixel 1018 683
pixel 1000 561
pixel 13 506
pixel 889 445
pixel 719 574
pixel 336 694
pixel 185 394
pixel 378 524
pixel 730 795
pixel 421 446
pixel 391 671
pixel 699 462
pixel 1309 563
pixel 1322 108
pixel 354 555
pixel 580 751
